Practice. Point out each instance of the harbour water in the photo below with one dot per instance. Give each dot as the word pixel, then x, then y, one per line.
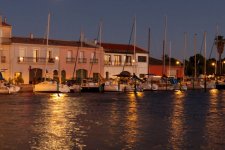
pixel 103 121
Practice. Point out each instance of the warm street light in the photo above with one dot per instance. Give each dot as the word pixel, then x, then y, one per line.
pixel 177 63
pixel 57 58
pixel 214 64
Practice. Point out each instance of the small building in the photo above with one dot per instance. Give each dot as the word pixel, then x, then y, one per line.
pixel 175 69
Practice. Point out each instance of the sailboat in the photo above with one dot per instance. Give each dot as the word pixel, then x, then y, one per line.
pixel 125 81
pixel 7 88
pixel 50 86
pixel 88 84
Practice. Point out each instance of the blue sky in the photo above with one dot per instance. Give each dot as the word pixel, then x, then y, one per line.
pixel 69 17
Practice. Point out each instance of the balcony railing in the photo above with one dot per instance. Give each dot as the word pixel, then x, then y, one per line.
pixel 82 60
pixel 35 60
pixel 108 63
pixel 70 60
pixel 117 63
pixel 94 60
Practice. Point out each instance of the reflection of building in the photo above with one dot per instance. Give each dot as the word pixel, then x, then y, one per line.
pixel 155 67
pixel 120 57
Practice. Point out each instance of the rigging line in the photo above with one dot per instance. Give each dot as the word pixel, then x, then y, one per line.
pixel 132 30
pixel 75 63
pixel 212 49
pixel 47 38
pixel 202 45
pixel 94 56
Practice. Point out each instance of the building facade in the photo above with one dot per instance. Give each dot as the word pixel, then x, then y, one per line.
pixel 120 57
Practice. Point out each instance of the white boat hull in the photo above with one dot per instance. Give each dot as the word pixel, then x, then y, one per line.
pixel 48 86
pixel 9 89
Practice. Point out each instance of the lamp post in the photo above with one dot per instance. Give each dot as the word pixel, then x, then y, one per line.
pixel 223 62
pixel 57 58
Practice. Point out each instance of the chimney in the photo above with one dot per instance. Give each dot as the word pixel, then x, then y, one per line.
pixel 31 36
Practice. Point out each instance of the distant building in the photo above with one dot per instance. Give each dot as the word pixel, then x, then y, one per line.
pixel 156 68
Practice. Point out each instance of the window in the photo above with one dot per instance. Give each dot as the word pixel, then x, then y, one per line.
pixel 107 59
pixel 49 57
pixel 81 54
pixel 21 54
pixel 69 55
pixel 35 55
pixel 107 75
pixel 81 58
pixel 117 59
pixel 93 58
pixel 95 77
pixel 142 59
pixel 128 60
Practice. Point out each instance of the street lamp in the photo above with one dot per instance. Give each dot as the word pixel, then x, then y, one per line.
pixel 177 62
pixel 57 58
pixel 214 64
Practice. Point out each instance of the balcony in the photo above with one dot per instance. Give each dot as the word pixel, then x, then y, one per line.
pixel 70 60
pixel 40 60
pixel 82 60
pixel 94 60
pixel 108 63
pixel 117 63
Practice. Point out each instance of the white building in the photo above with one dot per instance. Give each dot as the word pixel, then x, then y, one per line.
pixel 121 57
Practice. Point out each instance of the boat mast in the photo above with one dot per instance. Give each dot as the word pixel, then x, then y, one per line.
pixel 75 63
pixel 135 63
pixel 47 37
pixel 164 45
pixel 94 56
pixel 149 42
pixel 205 60
pixel 169 58
pixel 185 49
pixel 195 75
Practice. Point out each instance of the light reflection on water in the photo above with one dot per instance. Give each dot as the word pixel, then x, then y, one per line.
pixel 143 120
pixel 177 121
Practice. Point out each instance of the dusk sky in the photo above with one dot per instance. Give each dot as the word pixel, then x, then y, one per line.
pixel 69 17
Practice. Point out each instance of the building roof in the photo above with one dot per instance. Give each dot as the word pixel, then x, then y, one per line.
pixel 26 40
pixel 121 48
pixel 154 61
pixel 5 24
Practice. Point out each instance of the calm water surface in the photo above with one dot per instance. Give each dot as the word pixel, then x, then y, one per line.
pixel 149 120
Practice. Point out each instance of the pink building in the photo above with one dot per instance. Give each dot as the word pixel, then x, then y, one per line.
pixel 65 59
